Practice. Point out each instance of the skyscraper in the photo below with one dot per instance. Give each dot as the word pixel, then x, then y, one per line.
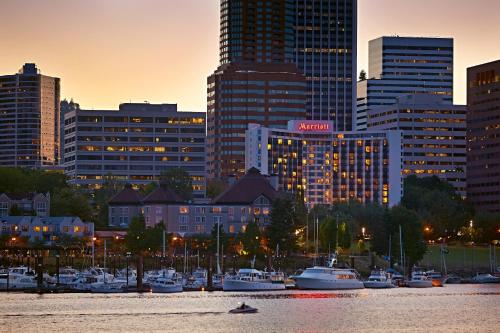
pixel 29 119
pixel 400 66
pixel 300 53
pixel 325 51
pixel 483 136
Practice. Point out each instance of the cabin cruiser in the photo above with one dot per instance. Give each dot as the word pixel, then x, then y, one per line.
pixel 436 278
pixel 167 285
pixel 107 288
pixel 197 280
pixel 250 279
pixel 169 273
pixel 485 278
pixel 328 278
pixel 379 279
pixel 419 280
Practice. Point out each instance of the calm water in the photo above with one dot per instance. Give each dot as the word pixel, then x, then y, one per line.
pixel 454 308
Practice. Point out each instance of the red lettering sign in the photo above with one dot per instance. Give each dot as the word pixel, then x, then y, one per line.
pixel 313 127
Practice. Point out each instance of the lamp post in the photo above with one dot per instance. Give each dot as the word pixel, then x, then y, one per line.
pixel 128 257
pixel 93 251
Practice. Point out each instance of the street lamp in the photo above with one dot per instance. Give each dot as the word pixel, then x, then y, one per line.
pixel 93 250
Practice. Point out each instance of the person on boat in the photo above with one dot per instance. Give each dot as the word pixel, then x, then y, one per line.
pixel 242 306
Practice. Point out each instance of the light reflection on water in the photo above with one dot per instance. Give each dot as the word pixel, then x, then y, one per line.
pixel 454 308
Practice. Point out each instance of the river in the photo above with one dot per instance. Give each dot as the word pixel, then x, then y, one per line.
pixel 453 308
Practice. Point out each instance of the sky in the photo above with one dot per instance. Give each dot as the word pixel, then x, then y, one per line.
pixel 107 52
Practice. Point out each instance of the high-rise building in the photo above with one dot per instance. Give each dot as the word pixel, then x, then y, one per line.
pixel 483 136
pixel 240 94
pixel 433 136
pixel 400 66
pixel 29 119
pixel 256 31
pixel 134 144
pixel 326 51
pixel 328 166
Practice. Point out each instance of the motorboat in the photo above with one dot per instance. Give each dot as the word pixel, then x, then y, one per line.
pixel 395 275
pixel 379 279
pixel 243 308
pixel 328 278
pixel 419 280
pixel 250 279
pixel 166 285
pixel 197 280
pixel 485 278
pixel 107 288
pixel 436 278
pixel 169 273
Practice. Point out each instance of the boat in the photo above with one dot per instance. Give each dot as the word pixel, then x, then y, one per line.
pixel 250 279
pixel 243 309
pixel 166 285
pixel 485 278
pixel 197 280
pixel 453 280
pixel 419 280
pixel 107 288
pixel 328 278
pixel 379 279
pixel 436 278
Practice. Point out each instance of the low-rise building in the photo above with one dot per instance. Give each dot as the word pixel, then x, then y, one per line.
pixel 46 229
pixel 27 204
pixel 248 199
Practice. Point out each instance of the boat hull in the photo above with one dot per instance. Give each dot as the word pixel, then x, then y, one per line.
pixel 378 285
pixel 167 289
pixel 322 284
pixel 239 285
pixel 420 284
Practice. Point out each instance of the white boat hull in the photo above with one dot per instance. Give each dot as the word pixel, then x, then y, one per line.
pixel 378 284
pixel 420 284
pixel 323 284
pixel 241 285
pixel 167 289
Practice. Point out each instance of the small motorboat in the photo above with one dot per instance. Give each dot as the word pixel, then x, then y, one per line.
pixel 379 279
pixel 485 278
pixel 243 308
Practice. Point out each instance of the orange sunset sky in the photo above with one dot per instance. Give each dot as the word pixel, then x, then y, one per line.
pixel 112 51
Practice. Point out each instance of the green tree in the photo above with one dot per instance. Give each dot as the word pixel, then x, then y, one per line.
pixel 489 223
pixel 223 238
pixel 251 239
pixel 179 181
pixel 154 237
pixel 109 188
pixel 281 229
pixel 136 240
pixel 70 202
pixel 215 187
pixel 328 233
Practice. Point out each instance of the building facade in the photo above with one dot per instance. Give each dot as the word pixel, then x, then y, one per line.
pixel 134 144
pixel 483 136
pixel 248 199
pixel 29 119
pixel 45 229
pixel 399 66
pixel 326 52
pixel 27 204
pixel 329 166
pixel 433 136
pixel 268 94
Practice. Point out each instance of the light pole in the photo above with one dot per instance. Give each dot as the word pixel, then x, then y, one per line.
pixel 128 257
pixel 93 251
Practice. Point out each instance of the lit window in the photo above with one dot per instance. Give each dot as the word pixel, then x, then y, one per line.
pixel 216 209
pixel 36 228
pixel 45 228
pixel 183 210
pixel 76 228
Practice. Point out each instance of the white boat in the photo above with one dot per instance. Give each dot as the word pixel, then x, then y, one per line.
pixel 419 280
pixel 107 288
pixel 485 278
pixel 328 278
pixel 378 280
pixel 250 279
pixel 198 279
pixel 436 277
pixel 166 285
pixel 169 273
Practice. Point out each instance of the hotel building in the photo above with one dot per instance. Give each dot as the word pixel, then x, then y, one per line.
pixel 29 119
pixel 399 66
pixel 328 166
pixel 134 144
pixel 483 136
pixel 433 136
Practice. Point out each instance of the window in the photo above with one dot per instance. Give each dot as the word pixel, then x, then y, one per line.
pixel 199 219
pixel 4 209
pixel 216 210
pixel 41 208
pixel 66 229
pixel 200 210
pixel 217 219
pixel 45 228
pixel 256 211
pixel 183 210
pixel 159 210
pixel 36 228
pixel 230 211
pixel 76 228
pixel 231 229
pixel 265 211
pixel 24 228
pixel 183 223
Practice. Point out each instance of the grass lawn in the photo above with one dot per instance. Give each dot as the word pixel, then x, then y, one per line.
pixel 461 258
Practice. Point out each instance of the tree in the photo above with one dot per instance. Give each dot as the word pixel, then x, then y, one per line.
pixel 281 230
pixel 489 223
pixel 251 238
pixel 223 238
pixel 362 75
pixel 15 210
pixel 179 181
pixel 328 233
pixel 136 240
pixel 215 187
pixel 70 202
pixel 109 188
pixel 414 246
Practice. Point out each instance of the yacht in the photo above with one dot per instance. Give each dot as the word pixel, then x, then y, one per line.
pixel 166 285
pixel 419 280
pixel 328 278
pixel 485 278
pixel 197 280
pixel 107 288
pixel 379 279
pixel 250 279
pixel 436 278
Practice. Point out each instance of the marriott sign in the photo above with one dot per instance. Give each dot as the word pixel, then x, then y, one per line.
pixel 311 126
